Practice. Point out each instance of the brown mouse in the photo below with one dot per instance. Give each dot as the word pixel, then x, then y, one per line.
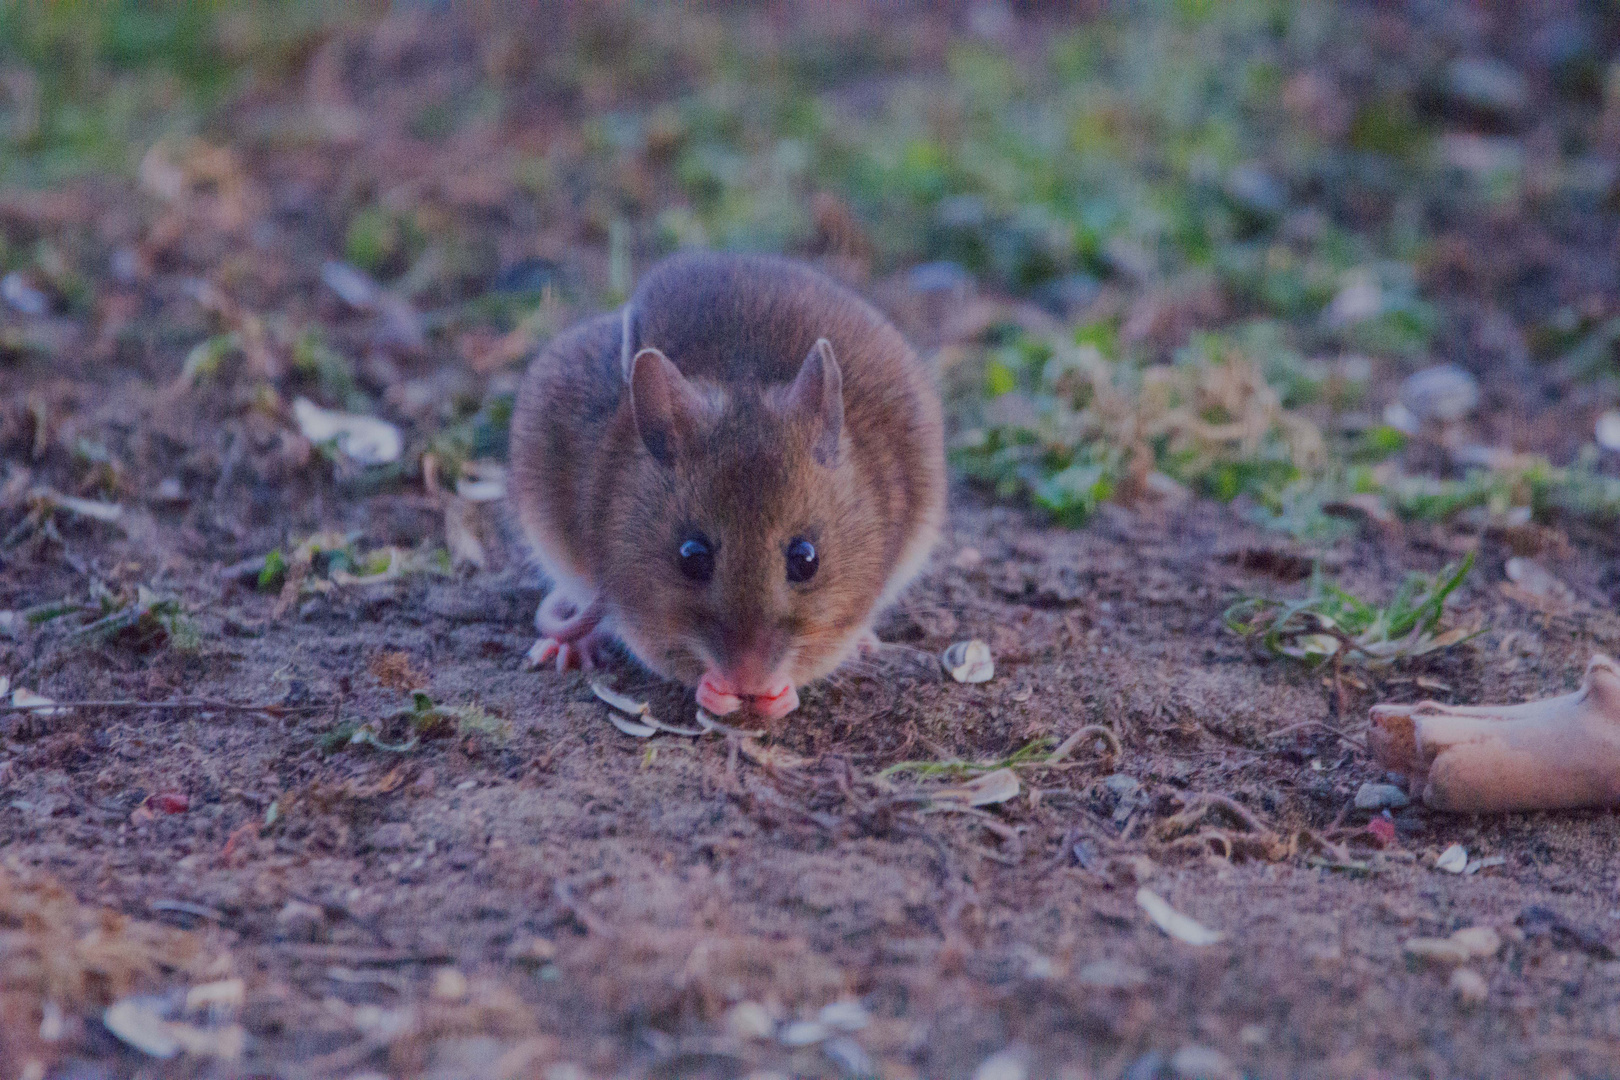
pixel 732 476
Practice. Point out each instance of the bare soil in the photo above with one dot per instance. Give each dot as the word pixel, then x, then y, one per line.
pixel 611 901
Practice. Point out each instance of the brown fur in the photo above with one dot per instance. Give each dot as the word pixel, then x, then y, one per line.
pixel 603 515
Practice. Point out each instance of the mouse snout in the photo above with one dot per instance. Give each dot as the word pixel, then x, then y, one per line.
pixel 747 670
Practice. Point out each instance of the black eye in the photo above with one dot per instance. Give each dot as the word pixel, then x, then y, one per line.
pixel 697 559
pixel 801 560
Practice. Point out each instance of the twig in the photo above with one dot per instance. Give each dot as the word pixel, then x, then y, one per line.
pixel 184 704
pixel 1092 731
pixel 1359 744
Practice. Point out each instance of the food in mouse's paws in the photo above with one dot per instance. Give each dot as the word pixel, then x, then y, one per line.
pixel 1555 753
pixel 740 469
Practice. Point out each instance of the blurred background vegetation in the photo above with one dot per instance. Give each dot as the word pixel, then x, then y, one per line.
pixel 1339 262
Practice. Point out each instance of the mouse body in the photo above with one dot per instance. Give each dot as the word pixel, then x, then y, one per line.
pixel 732 475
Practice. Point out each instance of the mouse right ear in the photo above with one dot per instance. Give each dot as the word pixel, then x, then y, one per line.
pixel 664 404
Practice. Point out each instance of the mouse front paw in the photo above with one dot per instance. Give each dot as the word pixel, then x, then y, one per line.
pixel 588 653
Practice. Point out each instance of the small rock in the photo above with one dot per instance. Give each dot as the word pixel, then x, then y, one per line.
pixel 848 1055
pixel 528 949
pixel 1253 1036
pixel 749 1020
pixel 1003 1065
pixel 1202 1063
pixel 1469 986
pixel 845 1015
pixel 1257 191
pixel 1445 393
pixel 1112 975
pixel 20 293
pixel 393 836
pixel 969 558
pixel 1469 943
pixel 803 1033
pixel 1487 86
pixel 449 984
pixel 1372 796
pixel 1608 430
pixel 941 278
pixel 300 921
pixel 1480 941
pixel 1359 299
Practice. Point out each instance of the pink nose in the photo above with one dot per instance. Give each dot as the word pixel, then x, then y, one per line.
pixel 721 696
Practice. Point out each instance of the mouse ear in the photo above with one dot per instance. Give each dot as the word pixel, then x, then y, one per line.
pixel 663 403
pixel 817 398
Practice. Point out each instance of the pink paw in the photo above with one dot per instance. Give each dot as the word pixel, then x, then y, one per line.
pixel 587 653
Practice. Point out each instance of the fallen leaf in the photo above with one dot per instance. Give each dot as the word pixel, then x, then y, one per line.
pixel 986 790
pixel 1181 927
pixel 364 439
pixel 969 662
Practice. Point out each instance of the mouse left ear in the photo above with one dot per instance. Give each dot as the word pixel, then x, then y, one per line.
pixel 817 398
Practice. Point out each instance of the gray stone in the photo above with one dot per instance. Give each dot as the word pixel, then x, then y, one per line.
pixel 1372 796
pixel 1445 393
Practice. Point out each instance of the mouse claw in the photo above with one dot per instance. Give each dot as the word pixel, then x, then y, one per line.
pixel 541 652
pixel 586 654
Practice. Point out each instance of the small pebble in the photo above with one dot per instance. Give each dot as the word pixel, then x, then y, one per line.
pixel 1489 86
pixel 1372 796
pixel 449 984
pixel 1202 1063
pixel 749 1020
pixel 1444 394
pixel 845 1015
pixel 1469 986
pixel 1608 430
pixel 803 1033
pixel 20 293
pixel 1004 1065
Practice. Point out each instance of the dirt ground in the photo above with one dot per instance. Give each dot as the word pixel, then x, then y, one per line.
pixel 525 891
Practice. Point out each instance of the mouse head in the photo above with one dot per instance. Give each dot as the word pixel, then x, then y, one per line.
pixel 740 561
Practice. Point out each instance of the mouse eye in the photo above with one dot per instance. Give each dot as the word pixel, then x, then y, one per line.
pixel 801 560
pixel 697 559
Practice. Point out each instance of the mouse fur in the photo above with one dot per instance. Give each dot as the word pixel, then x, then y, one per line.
pixel 752 406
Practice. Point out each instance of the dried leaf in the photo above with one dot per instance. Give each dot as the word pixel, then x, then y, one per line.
pixel 969 661
pixel 986 790
pixel 364 439
pixel 1181 927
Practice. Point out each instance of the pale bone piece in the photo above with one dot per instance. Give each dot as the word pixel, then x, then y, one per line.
pixel 1556 753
